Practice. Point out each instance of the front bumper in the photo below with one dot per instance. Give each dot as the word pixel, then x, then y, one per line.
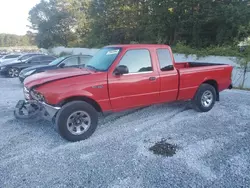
pixel 21 78
pixel 31 108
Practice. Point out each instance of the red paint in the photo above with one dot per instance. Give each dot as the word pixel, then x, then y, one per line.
pixel 115 93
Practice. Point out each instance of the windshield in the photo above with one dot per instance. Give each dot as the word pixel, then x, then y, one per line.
pixel 103 59
pixel 57 61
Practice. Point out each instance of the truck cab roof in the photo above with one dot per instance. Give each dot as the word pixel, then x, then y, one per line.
pixel 139 46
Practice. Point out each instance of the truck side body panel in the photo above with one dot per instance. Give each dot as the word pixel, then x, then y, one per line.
pixel 93 86
pixel 115 93
pixel 192 78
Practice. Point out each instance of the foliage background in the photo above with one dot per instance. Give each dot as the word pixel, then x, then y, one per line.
pixel 197 24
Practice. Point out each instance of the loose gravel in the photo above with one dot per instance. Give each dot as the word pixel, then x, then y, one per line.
pixel 213 149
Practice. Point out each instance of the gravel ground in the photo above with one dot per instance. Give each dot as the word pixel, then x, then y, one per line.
pixel 213 148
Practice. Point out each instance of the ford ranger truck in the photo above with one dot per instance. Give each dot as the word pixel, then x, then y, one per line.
pixel 117 78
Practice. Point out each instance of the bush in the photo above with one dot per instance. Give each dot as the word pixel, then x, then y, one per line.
pixel 202 52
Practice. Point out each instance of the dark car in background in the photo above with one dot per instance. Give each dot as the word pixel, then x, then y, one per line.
pixel 16 58
pixel 13 69
pixel 62 62
pixel 24 57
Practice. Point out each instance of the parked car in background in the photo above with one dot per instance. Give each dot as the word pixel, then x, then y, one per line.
pixel 62 62
pixel 24 57
pixel 9 58
pixel 12 70
pixel 2 54
pixel 20 59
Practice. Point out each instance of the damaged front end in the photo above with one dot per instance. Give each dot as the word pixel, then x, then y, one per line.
pixel 31 108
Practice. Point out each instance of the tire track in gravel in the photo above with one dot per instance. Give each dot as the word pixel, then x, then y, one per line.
pixel 124 129
pixel 120 129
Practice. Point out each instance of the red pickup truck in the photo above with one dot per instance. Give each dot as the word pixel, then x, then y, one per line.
pixel 119 77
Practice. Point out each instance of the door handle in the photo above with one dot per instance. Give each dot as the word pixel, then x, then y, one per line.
pixel 152 78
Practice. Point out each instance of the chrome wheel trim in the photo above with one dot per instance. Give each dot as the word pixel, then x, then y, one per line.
pixel 78 122
pixel 207 99
pixel 13 72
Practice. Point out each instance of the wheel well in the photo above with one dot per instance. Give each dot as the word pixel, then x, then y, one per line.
pixel 215 85
pixel 81 98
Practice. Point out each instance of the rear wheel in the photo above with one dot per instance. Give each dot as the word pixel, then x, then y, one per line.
pixel 13 72
pixel 77 121
pixel 205 98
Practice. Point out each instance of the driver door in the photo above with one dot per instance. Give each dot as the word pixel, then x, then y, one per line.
pixel 139 87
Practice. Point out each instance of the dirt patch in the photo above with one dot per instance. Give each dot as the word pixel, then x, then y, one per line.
pixel 164 148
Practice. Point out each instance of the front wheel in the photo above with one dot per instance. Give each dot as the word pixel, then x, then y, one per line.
pixel 13 72
pixel 205 98
pixel 77 121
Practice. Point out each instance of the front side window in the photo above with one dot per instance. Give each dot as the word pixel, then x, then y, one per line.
pixel 34 59
pixel 72 61
pixel 84 59
pixel 165 59
pixel 57 61
pixel 25 57
pixel 48 58
pixel 137 61
pixel 103 59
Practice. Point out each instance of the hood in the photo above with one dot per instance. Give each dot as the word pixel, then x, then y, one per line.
pixel 52 75
pixel 9 61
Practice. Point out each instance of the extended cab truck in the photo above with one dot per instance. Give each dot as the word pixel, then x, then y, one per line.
pixel 119 77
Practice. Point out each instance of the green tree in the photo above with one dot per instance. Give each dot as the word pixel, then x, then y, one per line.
pixel 52 22
pixel 91 23
pixel 8 40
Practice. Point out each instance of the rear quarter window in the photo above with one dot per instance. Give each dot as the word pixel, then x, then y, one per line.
pixel 165 59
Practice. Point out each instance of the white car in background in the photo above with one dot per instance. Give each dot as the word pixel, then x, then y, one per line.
pixel 9 58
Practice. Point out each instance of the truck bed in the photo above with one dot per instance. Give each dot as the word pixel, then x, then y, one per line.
pixel 193 74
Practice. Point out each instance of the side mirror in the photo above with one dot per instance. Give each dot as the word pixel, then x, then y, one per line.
pixel 62 65
pixel 120 70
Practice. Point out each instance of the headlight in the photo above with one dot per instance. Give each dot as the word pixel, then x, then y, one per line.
pixel 37 96
pixel 29 72
pixel 1 68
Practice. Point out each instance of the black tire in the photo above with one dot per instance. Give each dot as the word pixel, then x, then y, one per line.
pixel 201 105
pixel 13 72
pixel 66 112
